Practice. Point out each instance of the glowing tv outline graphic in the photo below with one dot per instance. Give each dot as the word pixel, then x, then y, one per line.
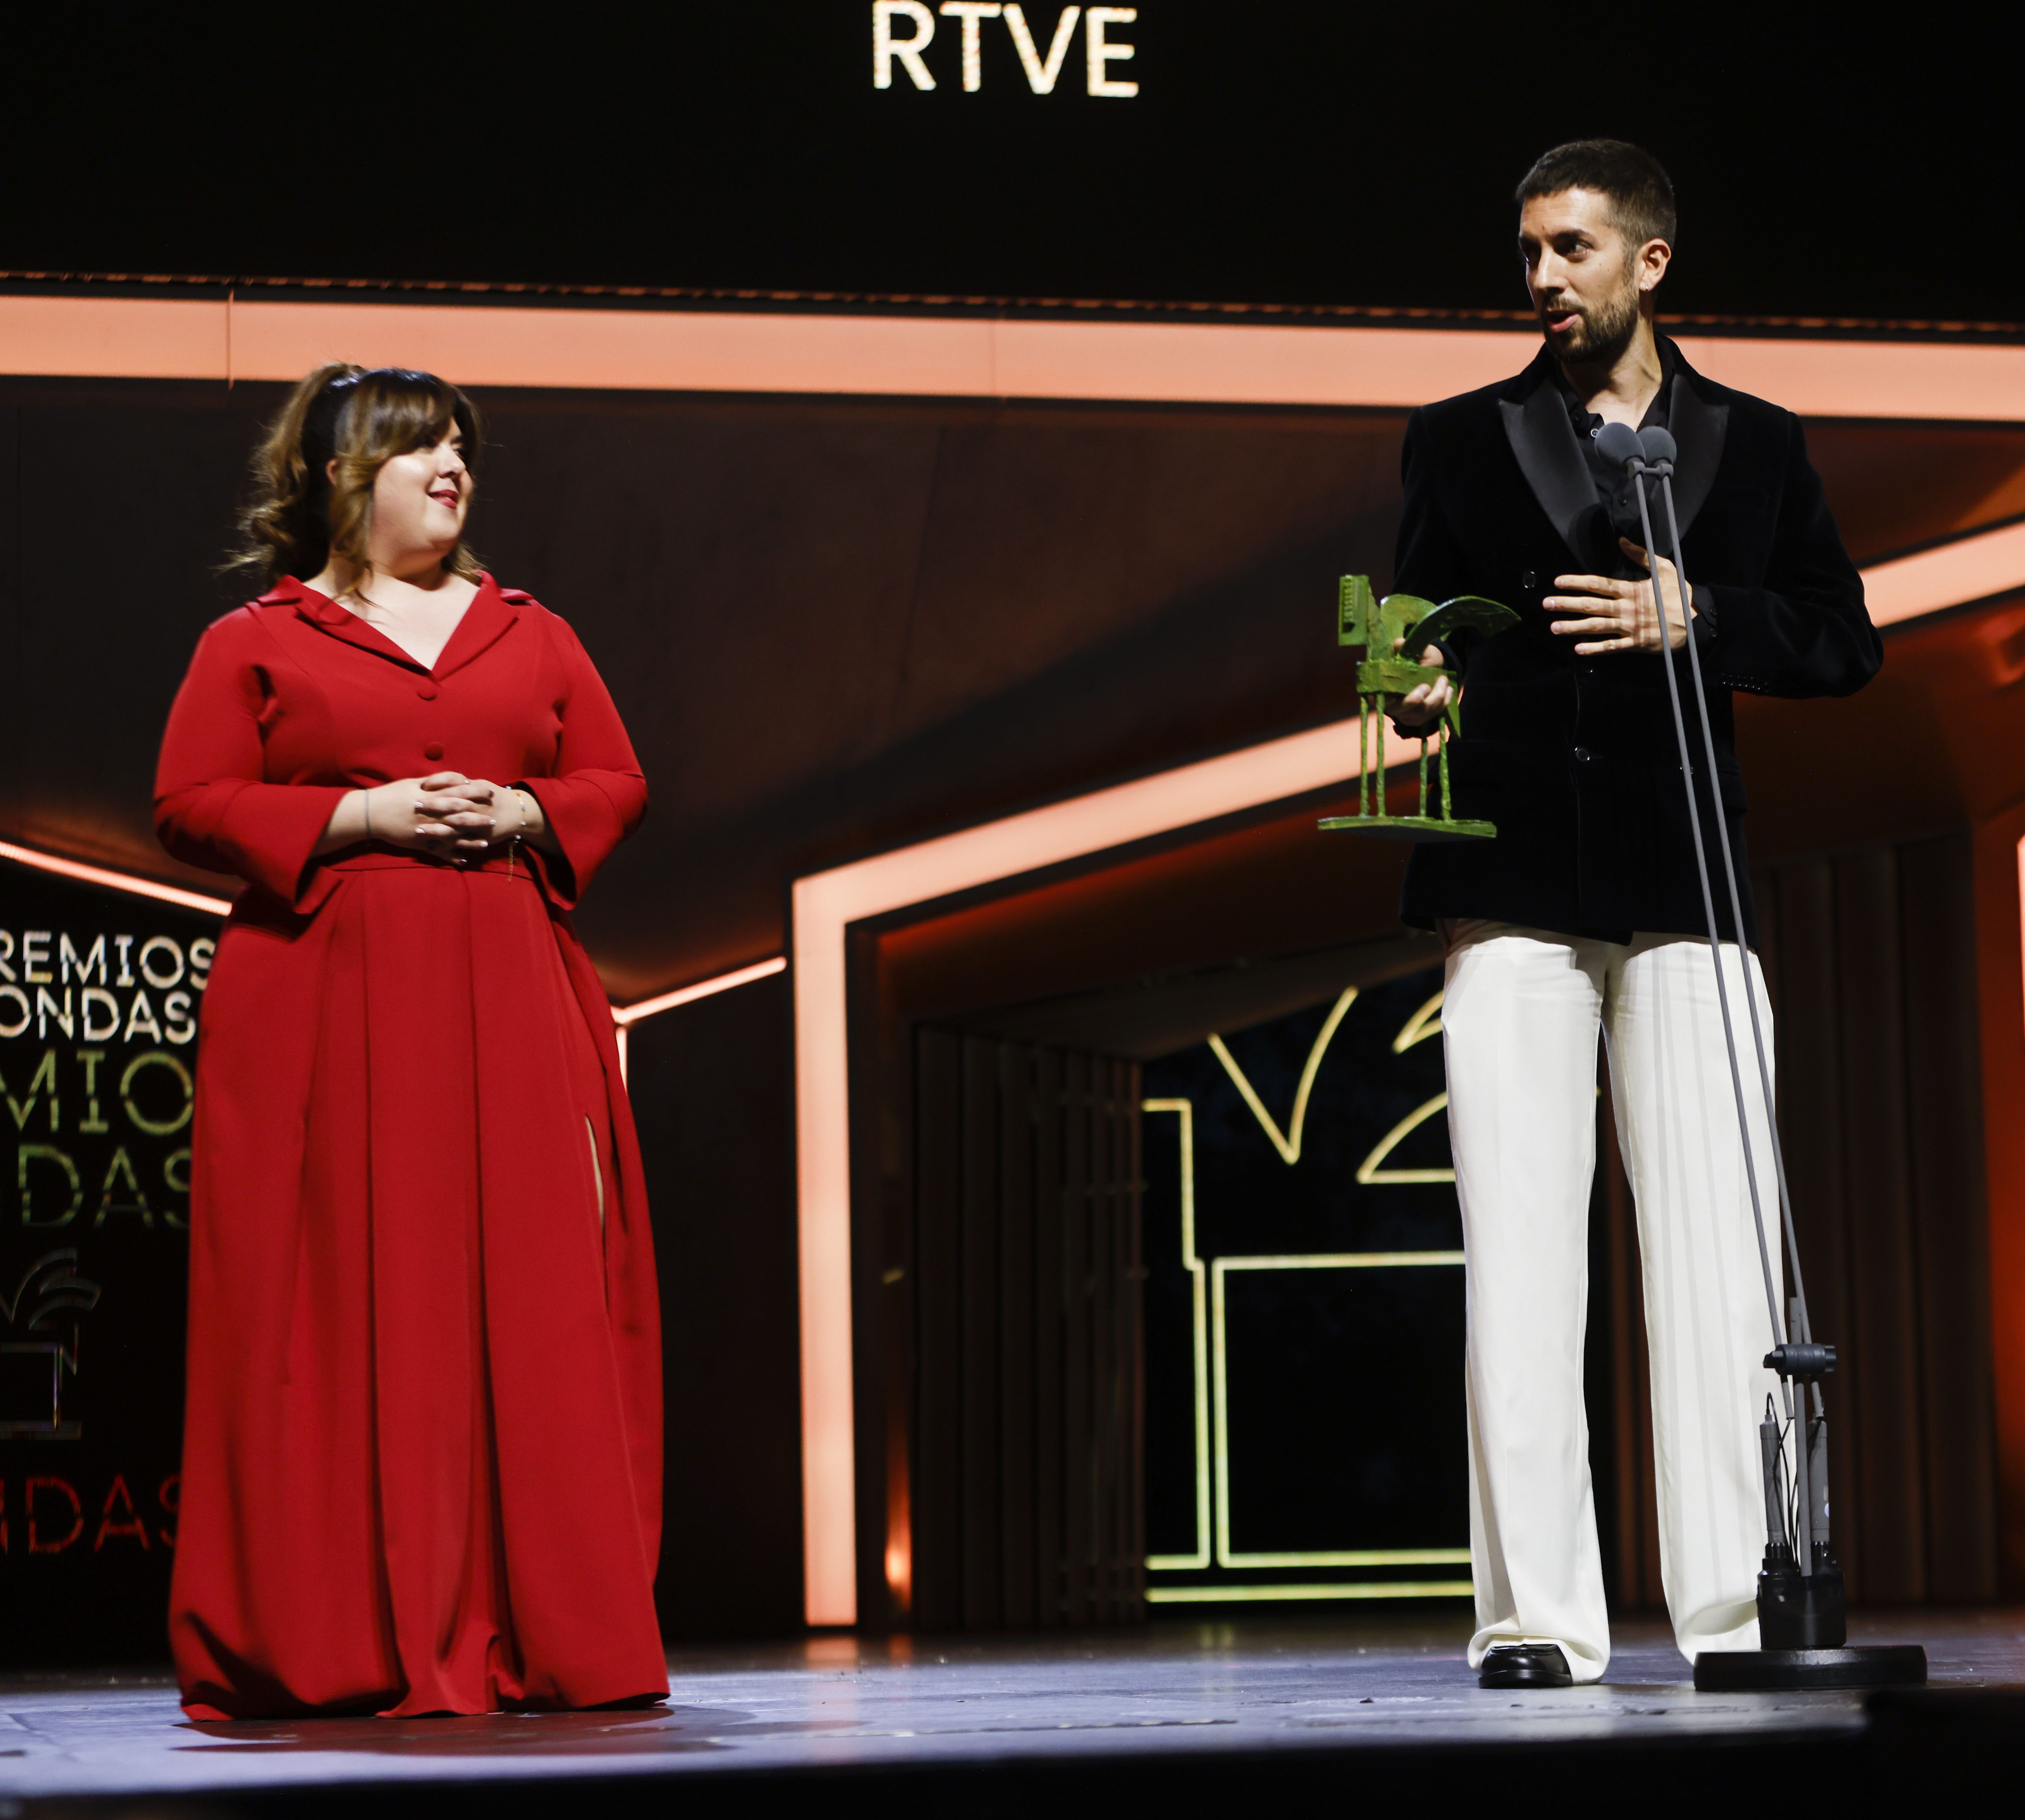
pixel 1210 1345
pixel 1209 1353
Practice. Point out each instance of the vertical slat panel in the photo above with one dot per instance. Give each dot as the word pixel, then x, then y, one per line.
pixel 1808 1040
pixel 1884 1277
pixel 1880 1105
pixel 1764 894
pixel 980 1393
pixel 1118 1319
pixel 1936 885
pixel 1650 1579
pixel 1605 1372
pixel 1115 1434
pixel 1632 1507
pixel 1103 1438
pixel 1018 1572
pixel 938 1602
pixel 1050 1396
pixel 1076 1390
pixel 1132 1327
pixel 1808 1036
pixel 886 1583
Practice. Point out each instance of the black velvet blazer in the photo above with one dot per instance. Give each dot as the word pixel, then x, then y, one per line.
pixel 1574 759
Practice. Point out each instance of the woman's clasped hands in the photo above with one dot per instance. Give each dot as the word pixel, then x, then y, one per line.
pixel 446 813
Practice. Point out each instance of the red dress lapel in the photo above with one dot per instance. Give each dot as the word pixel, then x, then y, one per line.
pixel 485 621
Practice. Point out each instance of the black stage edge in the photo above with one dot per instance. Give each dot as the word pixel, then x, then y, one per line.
pixel 1219 1717
pixel 1925 1746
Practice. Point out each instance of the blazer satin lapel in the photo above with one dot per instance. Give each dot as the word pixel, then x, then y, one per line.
pixel 1544 440
pixel 1698 428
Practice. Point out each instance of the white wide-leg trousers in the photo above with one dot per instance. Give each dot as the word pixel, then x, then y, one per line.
pixel 1519 1020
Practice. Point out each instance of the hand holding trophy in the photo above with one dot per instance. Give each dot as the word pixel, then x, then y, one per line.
pixel 1382 629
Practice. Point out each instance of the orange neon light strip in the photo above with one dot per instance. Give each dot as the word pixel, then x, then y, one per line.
pixel 706 350
pixel 627 1016
pixel 116 881
pixel 1970 568
pixel 624 1015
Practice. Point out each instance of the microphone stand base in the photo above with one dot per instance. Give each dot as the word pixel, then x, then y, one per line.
pixel 1772 1670
pixel 1798 1611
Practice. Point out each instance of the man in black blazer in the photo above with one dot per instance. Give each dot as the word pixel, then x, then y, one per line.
pixel 1585 912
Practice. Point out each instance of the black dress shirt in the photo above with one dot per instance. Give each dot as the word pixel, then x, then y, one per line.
pixel 1615 488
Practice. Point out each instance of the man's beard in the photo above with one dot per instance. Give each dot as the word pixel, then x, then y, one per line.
pixel 1599 338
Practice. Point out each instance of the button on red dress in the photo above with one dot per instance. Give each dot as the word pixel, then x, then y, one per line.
pixel 422 1456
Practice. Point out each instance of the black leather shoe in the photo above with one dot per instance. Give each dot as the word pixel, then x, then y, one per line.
pixel 1524 1665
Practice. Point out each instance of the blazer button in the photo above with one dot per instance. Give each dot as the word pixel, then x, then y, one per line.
pixel 1529 580
pixel 432 750
pixel 1581 754
pixel 427 691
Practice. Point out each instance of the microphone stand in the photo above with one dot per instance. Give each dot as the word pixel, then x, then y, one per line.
pixel 1801 1612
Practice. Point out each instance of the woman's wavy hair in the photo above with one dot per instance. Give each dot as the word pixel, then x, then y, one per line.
pixel 297 513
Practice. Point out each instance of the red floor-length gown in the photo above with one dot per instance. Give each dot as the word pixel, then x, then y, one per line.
pixel 421 1459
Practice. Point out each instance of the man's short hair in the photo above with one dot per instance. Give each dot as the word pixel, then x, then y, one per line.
pixel 1641 194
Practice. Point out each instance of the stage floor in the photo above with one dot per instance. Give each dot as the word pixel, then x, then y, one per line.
pixel 1199 1698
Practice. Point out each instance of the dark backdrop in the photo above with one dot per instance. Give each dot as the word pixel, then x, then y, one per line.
pixel 1300 151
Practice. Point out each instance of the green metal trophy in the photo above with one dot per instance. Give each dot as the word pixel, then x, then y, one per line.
pixel 1382 630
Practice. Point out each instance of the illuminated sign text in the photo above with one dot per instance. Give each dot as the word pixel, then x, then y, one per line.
pixel 903 30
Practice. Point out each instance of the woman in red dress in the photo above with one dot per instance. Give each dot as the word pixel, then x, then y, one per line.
pixel 421 1459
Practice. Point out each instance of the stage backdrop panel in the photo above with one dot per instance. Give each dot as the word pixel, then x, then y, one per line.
pixel 99 994
pixel 1871 955
pixel 1025 1508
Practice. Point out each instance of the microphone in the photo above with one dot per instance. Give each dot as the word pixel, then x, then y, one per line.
pixel 1643 454
pixel 1619 442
